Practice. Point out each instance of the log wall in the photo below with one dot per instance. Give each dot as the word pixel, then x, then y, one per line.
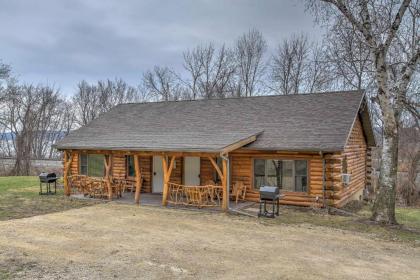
pixel 242 169
pixel 74 167
pixel 356 155
pixel 118 168
pixel 176 175
pixel 206 171
pixel 146 173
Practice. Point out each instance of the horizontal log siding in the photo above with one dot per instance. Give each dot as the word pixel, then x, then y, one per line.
pixel 176 175
pixel 146 173
pixel 74 167
pixel 242 170
pixel 206 171
pixel 369 166
pixel 355 152
pixel 118 166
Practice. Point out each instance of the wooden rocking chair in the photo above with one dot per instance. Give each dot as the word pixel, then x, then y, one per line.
pixel 238 191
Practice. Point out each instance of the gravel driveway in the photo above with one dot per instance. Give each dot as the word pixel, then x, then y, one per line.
pixel 125 241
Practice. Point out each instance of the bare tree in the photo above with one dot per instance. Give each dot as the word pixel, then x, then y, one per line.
pixel 4 71
pixel 85 103
pixel 211 72
pixel 288 65
pixel 384 26
pixel 115 92
pixel 162 83
pixel 91 100
pixel 249 52
pixel 409 163
pixel 350 60
pixel 317 71
pixel 47 127
pixel 25 111
pixel 193 64
pixel 4 74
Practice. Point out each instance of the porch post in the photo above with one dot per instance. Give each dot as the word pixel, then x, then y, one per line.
pixel 166 176
pixel 224 185
pixel 223 177
pixel 138 179
pixel 108 162
pixel 68 158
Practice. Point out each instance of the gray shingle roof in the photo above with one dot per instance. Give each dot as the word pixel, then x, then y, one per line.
pixel 306 122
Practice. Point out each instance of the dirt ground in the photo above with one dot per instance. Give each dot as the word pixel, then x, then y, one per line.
pixel 126 242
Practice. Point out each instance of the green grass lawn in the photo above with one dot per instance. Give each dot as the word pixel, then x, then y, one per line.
pixel 19 198
pixel 409 217
pixel 408 229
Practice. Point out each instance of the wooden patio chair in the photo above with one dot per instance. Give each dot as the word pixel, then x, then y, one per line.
pixel 210 183
pixel 128 185
pixel 176 194
pixel 238 191
pixel 117 186
pixel 215 192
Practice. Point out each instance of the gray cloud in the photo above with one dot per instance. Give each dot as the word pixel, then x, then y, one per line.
pixel 62 42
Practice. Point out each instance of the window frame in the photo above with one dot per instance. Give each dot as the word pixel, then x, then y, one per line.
pixel 87 164
pixel 265 158
pixel 127 167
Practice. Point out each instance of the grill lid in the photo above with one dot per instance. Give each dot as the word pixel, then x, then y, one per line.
pixel 270 189
pixel 269 192
pixel 47 177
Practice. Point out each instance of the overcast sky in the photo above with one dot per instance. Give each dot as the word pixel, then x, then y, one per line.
pixel 63 42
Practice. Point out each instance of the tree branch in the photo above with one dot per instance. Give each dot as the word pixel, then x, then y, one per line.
pixel 340 5
pixel 396 24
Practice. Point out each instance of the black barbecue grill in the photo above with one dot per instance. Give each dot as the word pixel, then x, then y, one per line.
pixel 271 195
pixel 47 179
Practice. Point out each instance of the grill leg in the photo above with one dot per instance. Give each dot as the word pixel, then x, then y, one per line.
pixel 278 207
pixel 265 207
pixel 274 207
pixel 40 188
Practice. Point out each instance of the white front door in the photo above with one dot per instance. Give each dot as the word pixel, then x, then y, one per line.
pixel 157 186
pixel 192 171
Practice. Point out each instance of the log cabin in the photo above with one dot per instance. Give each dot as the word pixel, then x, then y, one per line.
pixel 315 147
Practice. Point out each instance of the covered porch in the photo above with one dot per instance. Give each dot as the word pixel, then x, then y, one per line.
pixel 187 188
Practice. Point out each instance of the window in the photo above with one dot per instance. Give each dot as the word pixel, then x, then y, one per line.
pixel 219 162
pixel 92 165
pixel 83 164
pixel 130 166
pixel 288 175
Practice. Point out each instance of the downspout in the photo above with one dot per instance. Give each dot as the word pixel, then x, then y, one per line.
pixel 227 179
pixel 323 179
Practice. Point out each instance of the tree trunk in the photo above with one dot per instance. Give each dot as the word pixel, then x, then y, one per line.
pixel 384 206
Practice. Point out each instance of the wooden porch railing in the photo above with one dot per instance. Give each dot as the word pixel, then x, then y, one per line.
pixel 199 196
